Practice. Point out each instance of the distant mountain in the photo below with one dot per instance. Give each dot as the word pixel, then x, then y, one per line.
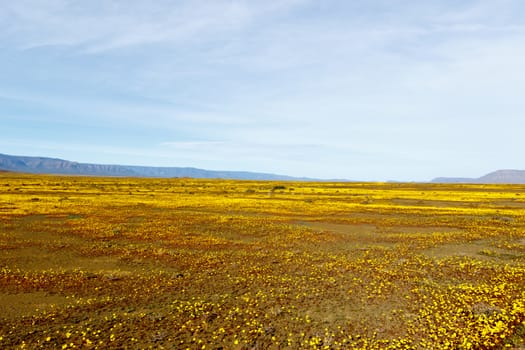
pixel 496 177
pixel 42 165
pixel 452 180
pixel 504 176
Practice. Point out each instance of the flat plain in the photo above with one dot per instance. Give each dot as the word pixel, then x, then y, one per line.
pixel 97 263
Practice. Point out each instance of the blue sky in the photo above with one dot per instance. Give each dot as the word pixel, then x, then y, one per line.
pixel 368 90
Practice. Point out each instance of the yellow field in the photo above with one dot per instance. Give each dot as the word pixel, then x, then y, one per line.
pixel 202 264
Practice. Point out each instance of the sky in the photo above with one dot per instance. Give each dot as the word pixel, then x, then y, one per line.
pixel 370 90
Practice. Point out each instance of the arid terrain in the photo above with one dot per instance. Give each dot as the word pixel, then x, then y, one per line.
pixel 97 263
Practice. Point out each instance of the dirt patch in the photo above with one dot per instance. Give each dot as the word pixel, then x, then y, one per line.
pixel 481 250
pixel 27 304
pixel 370 236
pixel 38 259
pixel 357 230
pixel 386 314
pixel 352 236
pixel 426 203
pixel 421 229
pixel 364 230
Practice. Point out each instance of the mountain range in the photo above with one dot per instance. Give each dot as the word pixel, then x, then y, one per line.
pixel 43 165
pixel 506 176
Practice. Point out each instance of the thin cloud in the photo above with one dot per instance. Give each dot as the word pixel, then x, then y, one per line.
pixel 100 26
pixel 226 81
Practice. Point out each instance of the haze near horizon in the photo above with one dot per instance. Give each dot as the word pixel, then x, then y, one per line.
pixel 366 90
